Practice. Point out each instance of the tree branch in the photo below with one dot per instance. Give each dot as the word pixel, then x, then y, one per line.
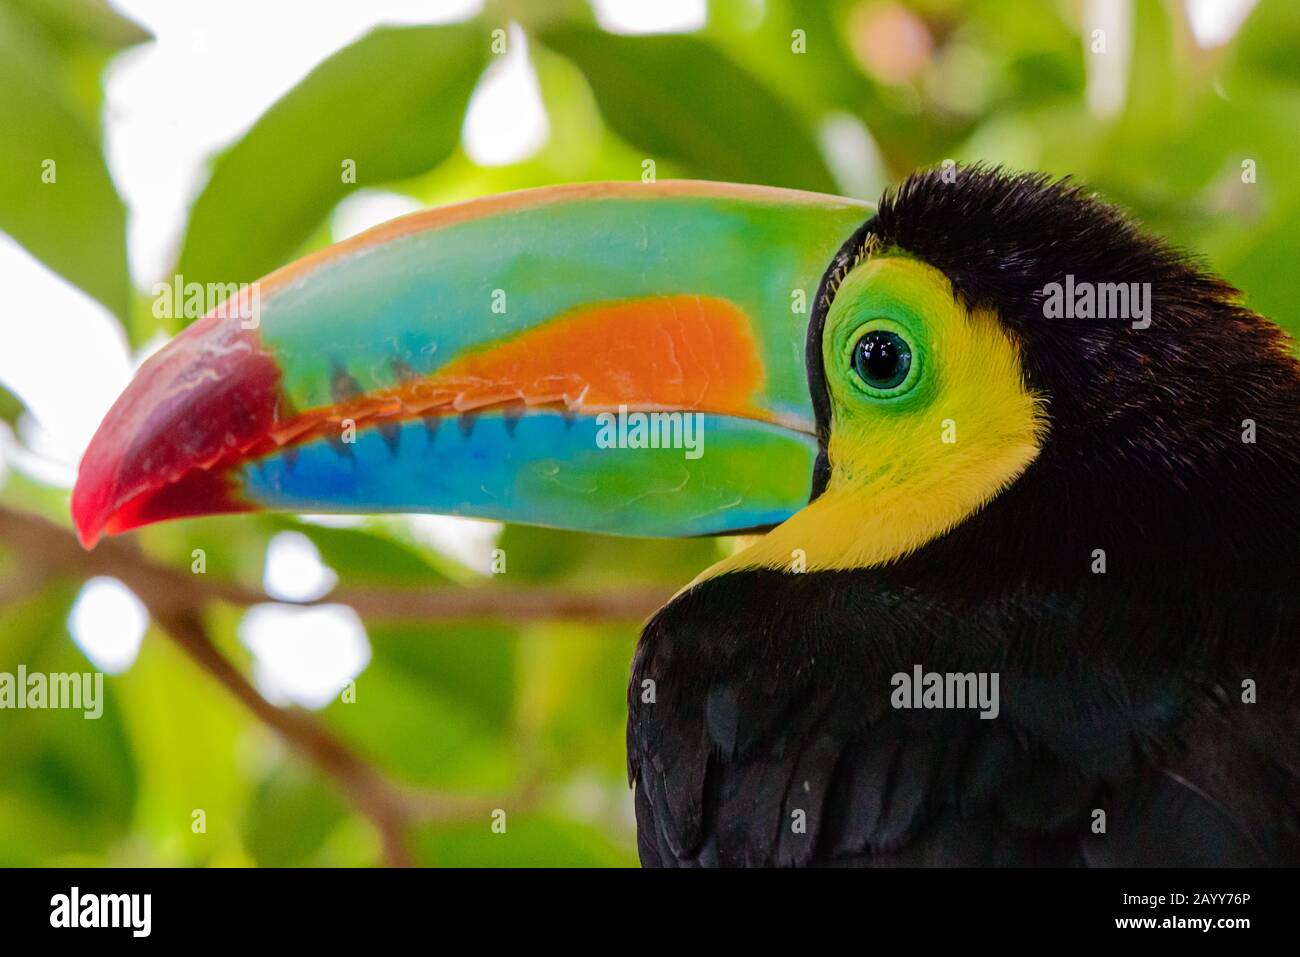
pixel 50 544
pixel 175 601
pixel 369 791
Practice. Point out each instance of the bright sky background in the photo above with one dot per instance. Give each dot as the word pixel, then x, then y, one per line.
pixel 170 105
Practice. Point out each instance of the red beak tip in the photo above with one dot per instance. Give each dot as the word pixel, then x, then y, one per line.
pixel 151 458
pixel 86 518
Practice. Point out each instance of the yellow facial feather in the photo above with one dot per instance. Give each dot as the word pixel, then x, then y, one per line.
pixel 906 468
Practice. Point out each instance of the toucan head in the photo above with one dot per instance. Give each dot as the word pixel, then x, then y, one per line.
pixel 691 358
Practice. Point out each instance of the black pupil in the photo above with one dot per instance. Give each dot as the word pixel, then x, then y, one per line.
pixel 882 359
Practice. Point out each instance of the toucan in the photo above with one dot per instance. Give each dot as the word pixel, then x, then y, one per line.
pixel 1016 486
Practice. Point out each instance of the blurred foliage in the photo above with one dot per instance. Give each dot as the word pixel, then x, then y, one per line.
pixel 677 97
pixel 56 196
pixel 293 161
pixel 843 96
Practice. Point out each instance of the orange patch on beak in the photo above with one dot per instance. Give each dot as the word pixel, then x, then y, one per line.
pixel 679 353
pixel 683 353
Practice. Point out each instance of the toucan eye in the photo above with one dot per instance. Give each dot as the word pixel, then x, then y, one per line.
pixel 882 359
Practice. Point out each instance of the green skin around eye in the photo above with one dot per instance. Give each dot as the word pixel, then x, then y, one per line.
pixel 867 300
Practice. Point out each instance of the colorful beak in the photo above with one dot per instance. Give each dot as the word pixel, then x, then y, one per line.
pixel 621 358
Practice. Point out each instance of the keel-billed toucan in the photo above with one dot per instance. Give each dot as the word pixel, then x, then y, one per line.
pixel 1085 504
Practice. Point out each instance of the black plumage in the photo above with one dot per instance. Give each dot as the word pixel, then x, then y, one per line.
pixel 1120 692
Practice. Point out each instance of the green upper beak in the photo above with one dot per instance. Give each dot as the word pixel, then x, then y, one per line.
pixel 612 357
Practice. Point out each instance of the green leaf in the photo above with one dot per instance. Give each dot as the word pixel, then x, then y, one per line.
pixel 78 22
pixel 391 104
pixel 433 705
pixel 367 556
pixel 1265 50
pixel 67 782
pixel 680 98
pixel 291 815
pixel 189 737
pixel 469 665
pixel 11 407
pixel 56 196
pixel 82 36
pixel 573 696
